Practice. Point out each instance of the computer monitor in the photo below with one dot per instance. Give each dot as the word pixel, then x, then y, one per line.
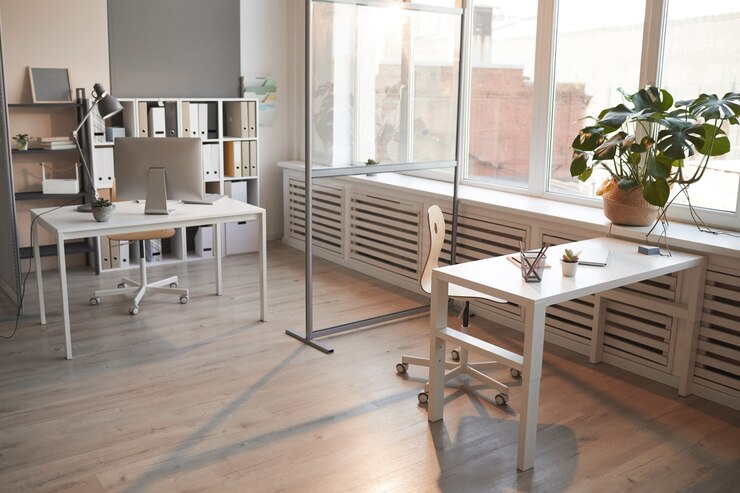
pixel 181 159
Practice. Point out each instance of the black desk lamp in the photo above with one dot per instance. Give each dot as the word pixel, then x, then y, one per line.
pixel 107 107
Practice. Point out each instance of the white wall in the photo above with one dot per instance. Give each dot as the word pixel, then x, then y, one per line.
pixel 268 39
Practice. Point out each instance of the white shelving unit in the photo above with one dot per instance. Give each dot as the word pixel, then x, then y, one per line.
pixel 181 248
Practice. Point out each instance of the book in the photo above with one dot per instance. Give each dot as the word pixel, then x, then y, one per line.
pixel 56 139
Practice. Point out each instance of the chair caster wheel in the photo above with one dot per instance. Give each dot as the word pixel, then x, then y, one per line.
pixel 122 285
pixel 455 355
pixel 515 373
pixel 95 300
pixel 173 284
pixel 423 397
pixel 402 368
pixel 183 299
pixel 501 399
pixel 133 310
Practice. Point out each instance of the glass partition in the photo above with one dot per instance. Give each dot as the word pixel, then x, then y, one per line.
pixel 384 83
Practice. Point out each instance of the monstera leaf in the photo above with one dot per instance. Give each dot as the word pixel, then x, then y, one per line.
pixel 615 117
pixel 608 149
pixel 710 107
pixel 588 138
pixel 716 142
pixel 680 138
pixel 656 191
pixel 651 99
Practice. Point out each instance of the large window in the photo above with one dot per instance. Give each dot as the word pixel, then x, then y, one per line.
pixel 502 59
pixel 702 54
pixel 598 50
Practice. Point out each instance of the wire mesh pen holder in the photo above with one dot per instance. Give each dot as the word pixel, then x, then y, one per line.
pixel 533 265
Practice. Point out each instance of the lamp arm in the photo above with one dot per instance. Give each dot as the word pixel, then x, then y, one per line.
pixel 79 148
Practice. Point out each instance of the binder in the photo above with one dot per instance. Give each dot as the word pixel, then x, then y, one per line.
pixel 212 121
pixel 215 161
pixel 194 131
pixel 206 158
pixel 143 119
pixel 204 241
pixel 104 252
pixel 157 127
pixel 232 159
pixel 153 250
pixel 98 128
pixel 252 158
pixel 115 259
pixel 185 119
pixel 237 190
pixel 203 120
pixel 123 253
pixel 102 167
pixel 170 119
pixel 252 118
pixel 235 116
pixel 246 164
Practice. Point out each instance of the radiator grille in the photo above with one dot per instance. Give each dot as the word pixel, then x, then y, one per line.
pixel 327 216
pixel 718 351
pixel 384 233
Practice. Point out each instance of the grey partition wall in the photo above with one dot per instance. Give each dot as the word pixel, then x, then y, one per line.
pixel 10 276
pixel 177 48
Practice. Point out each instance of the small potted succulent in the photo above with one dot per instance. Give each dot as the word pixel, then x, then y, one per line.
pixel 21 141
pixel 569 262
pixel 101 209
pixel 371 162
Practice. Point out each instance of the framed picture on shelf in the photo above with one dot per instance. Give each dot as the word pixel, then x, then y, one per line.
pixel 50 85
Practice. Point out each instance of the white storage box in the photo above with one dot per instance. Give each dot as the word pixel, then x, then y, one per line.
pixel 204 241
pixel 60 185
pixel 241 237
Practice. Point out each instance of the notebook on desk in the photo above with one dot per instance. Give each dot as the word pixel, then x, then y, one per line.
pixel 594 256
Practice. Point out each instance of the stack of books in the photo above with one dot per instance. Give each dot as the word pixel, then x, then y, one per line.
pixel 57 143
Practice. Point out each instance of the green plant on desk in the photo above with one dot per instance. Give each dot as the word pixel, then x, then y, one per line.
pixel 101 209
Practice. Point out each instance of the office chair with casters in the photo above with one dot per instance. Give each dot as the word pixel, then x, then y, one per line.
pixel 141 287
pixel 459 364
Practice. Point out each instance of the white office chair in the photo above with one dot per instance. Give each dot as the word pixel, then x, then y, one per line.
pixel 141 287
pixel 460 364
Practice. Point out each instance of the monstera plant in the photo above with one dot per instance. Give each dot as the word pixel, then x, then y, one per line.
pixel 643 142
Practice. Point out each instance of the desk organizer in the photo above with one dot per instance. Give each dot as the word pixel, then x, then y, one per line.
pixel 60 185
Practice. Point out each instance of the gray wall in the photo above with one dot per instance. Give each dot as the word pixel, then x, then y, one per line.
pixel 174 48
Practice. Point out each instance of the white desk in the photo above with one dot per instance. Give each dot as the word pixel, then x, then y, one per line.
pixel 67 223
pixel 499 277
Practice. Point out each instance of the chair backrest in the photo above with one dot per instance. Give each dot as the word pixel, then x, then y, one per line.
pixel 436 240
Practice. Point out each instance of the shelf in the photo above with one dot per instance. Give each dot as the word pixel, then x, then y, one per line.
pixel 16 152
pixel 239 178
pixel 47 196
pixel 237 139
pixel 43 105
pixel 51 250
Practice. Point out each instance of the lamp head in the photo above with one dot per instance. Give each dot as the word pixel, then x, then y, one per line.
pixel 107 104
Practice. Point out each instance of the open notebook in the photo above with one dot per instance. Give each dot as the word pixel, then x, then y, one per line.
pixel 594 256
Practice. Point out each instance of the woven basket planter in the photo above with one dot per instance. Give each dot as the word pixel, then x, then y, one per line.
pixel 628 208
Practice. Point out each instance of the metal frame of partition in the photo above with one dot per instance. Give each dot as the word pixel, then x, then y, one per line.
pixel 312 334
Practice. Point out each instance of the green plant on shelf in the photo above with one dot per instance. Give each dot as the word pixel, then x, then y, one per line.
pixel 21 141
pixel 371 161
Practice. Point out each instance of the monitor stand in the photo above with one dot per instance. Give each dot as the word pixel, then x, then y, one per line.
pixel 156 193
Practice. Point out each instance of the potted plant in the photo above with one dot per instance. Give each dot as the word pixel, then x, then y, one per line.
pixel 371 162
pixel 21 141
pixel 101 209
pixel 569 262
pixel 643 143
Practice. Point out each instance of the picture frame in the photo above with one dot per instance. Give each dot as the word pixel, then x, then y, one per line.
pixel 50 85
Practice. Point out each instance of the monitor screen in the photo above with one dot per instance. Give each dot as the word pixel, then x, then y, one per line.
pixel 180 157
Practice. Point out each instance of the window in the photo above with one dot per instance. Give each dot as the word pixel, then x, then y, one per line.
pixel 598 50
pixel 714 68
pixel 502 59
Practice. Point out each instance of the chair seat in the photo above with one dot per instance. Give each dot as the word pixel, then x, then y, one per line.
pixel 156 234
pixel 464 294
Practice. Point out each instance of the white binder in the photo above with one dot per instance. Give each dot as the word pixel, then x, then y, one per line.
pixel 103 167
pixel 204 241
pixel 237 190
pixel 203 120
pixel 194 110
pixel 143 119
pixel 246 159
pixel 252 158
pixel 157 126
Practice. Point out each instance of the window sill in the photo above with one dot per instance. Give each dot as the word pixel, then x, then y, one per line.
pixel 679 235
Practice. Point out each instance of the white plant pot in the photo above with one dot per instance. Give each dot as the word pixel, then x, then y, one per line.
pixel 569 268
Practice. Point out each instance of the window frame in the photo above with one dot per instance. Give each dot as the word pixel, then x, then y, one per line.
pixel 651 63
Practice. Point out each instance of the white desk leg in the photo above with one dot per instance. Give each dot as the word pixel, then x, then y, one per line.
pixel 217 247
pixel 37 265
pixel 263 265
pixel 534 338
pixel 437 321
pixel 65 298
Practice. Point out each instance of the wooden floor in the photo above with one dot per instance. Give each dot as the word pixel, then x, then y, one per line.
pixel 203 397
